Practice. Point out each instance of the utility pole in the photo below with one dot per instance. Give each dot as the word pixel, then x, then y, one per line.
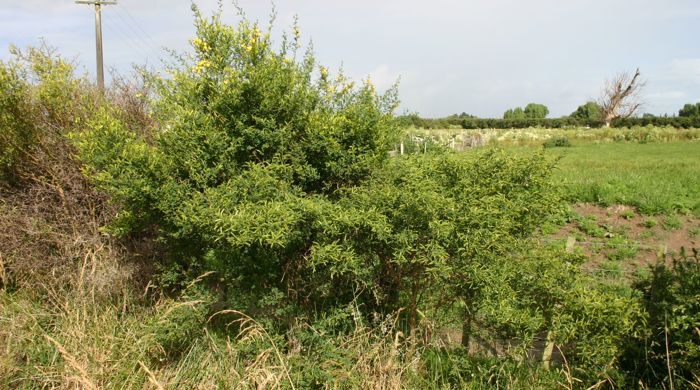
pixel 98 38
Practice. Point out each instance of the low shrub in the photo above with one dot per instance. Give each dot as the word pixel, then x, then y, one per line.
pixel 670 341
pixel 559 142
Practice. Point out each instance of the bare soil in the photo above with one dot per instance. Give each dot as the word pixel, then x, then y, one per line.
pixel 621 233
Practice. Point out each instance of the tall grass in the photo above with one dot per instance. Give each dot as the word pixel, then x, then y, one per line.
pixel 76 337
pixel 463 138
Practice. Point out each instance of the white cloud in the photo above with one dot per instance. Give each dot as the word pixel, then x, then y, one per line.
pixel 686 69
pixel 666 95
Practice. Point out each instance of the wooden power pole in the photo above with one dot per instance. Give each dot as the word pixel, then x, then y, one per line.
pixel 98 38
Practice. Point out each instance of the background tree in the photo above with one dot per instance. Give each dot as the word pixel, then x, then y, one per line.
pixel 514 113
pixel 536 111
pixel 690 110
pixel 621 96
pixel 590 111
pixel 531 111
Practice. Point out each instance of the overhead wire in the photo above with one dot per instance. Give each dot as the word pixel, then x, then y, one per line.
pixel 114 28
pixel 138 37
pixel 138 26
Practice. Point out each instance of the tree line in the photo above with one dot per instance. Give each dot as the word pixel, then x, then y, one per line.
pixel 589 114
pixel 617 106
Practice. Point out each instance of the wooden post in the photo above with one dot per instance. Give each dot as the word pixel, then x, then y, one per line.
pixel 98 39
pixel 570 242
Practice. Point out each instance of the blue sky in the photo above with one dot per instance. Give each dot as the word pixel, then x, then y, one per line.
pixel 477 56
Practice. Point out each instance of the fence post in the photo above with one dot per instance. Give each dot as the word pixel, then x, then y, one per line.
pixel 570 242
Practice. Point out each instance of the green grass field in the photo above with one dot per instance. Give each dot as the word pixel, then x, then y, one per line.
pixel 657 178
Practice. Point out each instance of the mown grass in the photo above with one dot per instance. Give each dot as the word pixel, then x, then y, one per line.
pixel 656 178
pixel 655 169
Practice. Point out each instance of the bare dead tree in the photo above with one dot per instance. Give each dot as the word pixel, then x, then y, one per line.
pixel 621 96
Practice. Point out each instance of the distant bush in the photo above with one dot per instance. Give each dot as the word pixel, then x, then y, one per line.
pixel 486 123
pixel 678 122
pixel 558 142
pixel 514 113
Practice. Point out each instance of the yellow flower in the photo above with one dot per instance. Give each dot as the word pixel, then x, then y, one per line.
pixel 200 44
pixel 201 65
pixel 370 86
pixel 347 87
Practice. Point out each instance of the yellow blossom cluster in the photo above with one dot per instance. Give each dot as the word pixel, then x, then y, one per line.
pixel 254 38
pixel 370 86
pixel 200 44
pixel 201 66
pixel 347 87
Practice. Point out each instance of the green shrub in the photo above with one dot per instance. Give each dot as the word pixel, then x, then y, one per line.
pixel 670 299
pixel 244 172
pixel 592 328
pixel 17 131
pixel 559 142
pixel 41 101
pixel 627 214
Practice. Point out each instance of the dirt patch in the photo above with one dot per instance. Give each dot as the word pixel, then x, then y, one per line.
pixel 619 236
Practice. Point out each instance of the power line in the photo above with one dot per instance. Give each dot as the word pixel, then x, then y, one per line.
pixel 134 33
pixel 138 26
pixel 144 49
pixel 124 37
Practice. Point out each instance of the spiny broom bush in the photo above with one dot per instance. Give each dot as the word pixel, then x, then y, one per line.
pixel 250 132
